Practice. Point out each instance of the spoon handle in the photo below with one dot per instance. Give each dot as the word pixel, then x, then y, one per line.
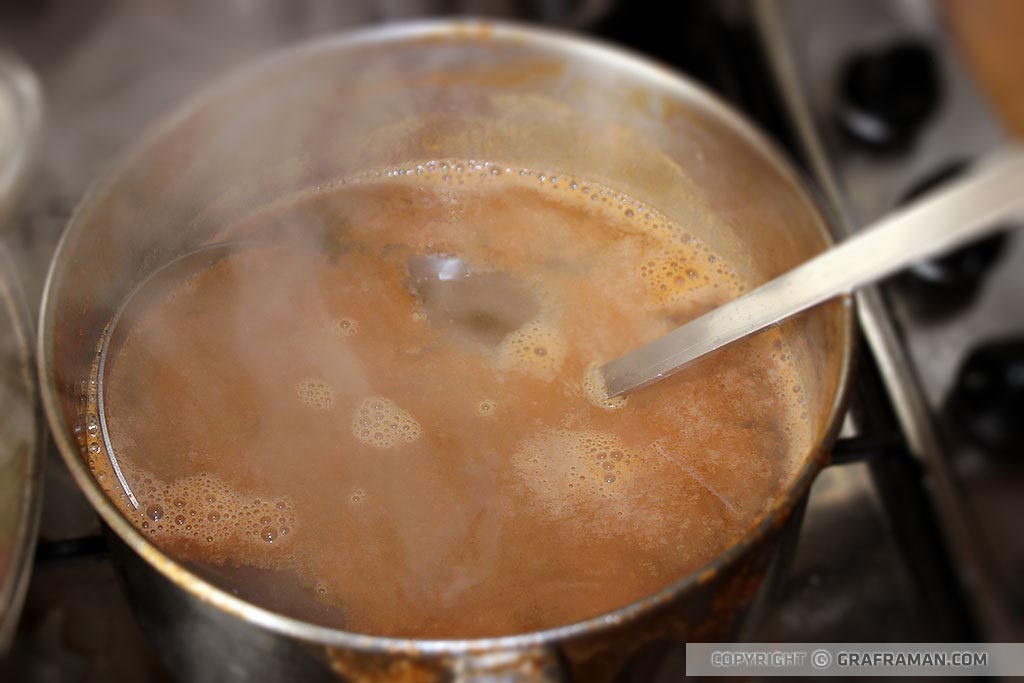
pixel 962 211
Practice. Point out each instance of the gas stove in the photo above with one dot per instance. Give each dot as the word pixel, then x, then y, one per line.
pixel 908 536
pixel 886 109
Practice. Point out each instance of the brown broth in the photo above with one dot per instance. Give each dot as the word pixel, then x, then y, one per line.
pixel 319 432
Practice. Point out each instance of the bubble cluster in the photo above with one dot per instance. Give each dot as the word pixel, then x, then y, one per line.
pixel 344 327
pixel 315 393
pixel 566 469
pixel 380 423
pixel 596 391
pixel 90 443
pixel 646 219
pixel 536 349
pixel 674 275
pixel 198 509
pixel 203 509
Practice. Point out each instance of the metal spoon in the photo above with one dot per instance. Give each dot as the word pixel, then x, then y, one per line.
pixel 965 210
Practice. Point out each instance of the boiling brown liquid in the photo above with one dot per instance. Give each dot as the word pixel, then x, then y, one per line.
pixel 320 430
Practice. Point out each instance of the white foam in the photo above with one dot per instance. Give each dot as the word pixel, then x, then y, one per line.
pixel 380 423
pixel 595 390
pixel 315 393
pixel 536 349
pixel 566 468
pixel 203 509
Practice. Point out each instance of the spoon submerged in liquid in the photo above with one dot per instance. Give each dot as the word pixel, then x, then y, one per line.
pixel 964 210
pixel 482 307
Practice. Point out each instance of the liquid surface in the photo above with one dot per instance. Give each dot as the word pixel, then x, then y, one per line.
pixel 316 427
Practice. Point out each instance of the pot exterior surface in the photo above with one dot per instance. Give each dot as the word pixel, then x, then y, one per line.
pixel 452 90
pixel 199 643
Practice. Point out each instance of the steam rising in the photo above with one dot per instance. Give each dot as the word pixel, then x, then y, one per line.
pixel 349 422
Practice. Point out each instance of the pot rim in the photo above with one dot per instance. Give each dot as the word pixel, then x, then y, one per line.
pixel 649 71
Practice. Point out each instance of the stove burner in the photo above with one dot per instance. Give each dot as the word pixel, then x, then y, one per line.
pixel 986 400
pixel 947 284
pixel 887 94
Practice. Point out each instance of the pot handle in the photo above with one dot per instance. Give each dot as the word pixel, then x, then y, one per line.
pixel 540 664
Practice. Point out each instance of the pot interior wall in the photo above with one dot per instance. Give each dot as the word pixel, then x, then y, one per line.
pixel 337 109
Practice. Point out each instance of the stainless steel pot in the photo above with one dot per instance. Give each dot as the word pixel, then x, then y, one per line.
pixel 21 423
pixel 386 97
